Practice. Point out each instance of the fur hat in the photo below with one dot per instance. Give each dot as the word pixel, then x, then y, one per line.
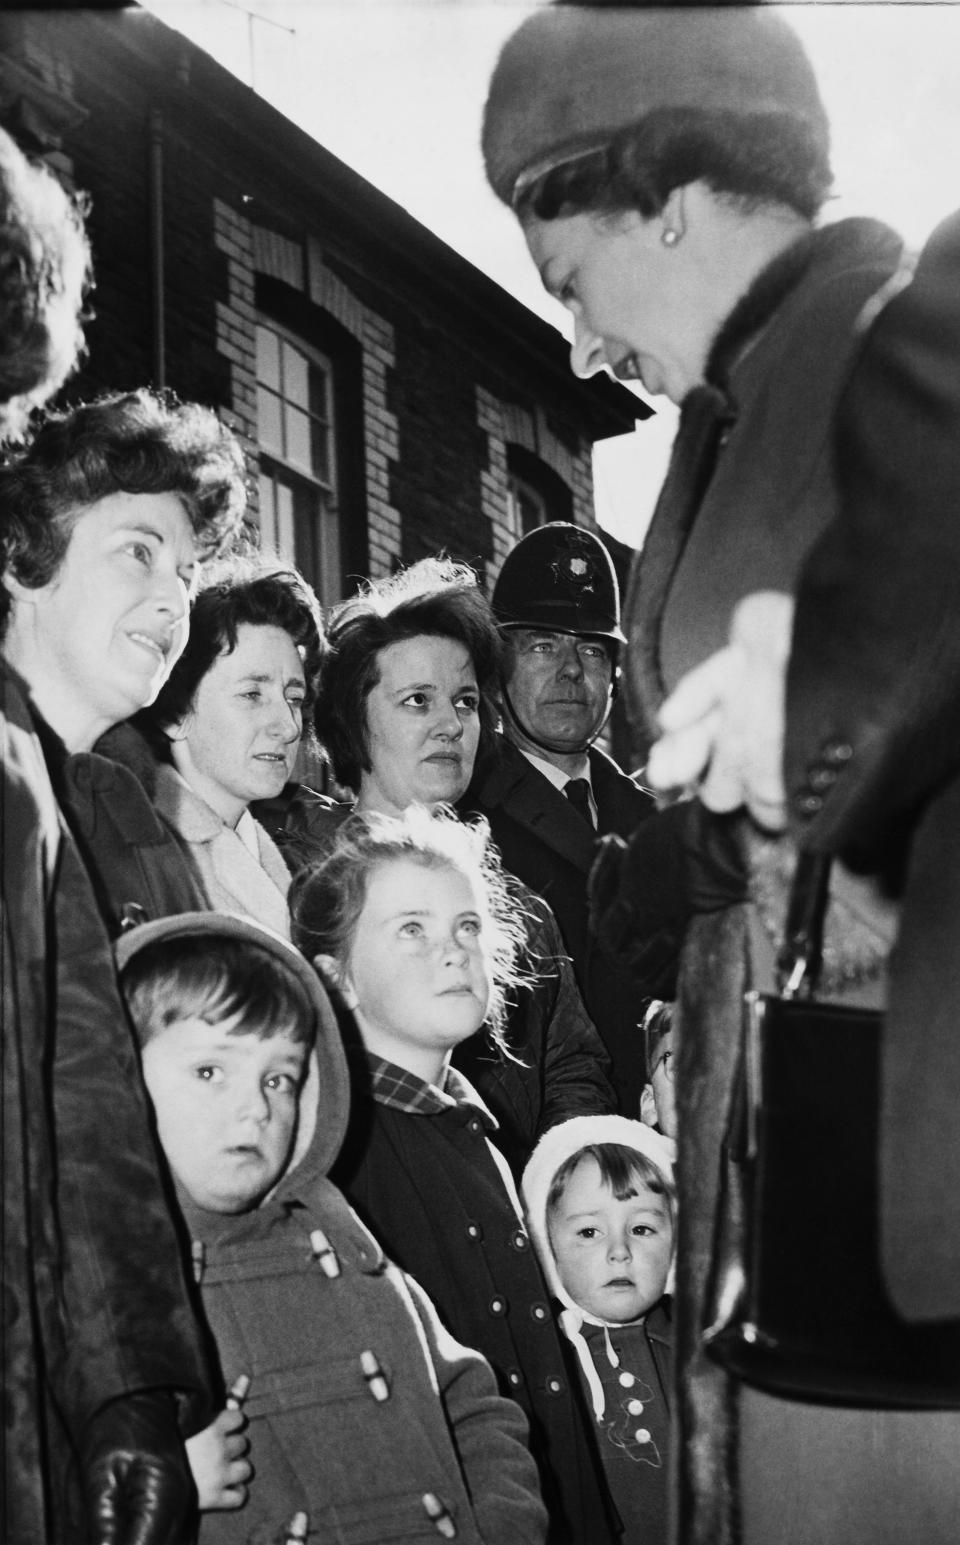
pixel 571 77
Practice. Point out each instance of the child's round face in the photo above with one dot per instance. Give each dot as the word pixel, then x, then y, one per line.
pixel 612 1256
pixel 226 1109
pixel 418 972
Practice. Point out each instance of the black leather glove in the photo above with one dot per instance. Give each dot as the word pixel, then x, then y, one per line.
pixel 715 859
pixel 136 1478
pixel 680 862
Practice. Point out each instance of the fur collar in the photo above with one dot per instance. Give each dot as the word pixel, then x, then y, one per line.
pixel 832 245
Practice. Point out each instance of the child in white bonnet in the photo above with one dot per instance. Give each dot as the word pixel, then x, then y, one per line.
pixel 601 1214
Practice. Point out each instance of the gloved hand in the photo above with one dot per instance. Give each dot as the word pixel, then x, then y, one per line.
pixel 136 1478
pixel 680 862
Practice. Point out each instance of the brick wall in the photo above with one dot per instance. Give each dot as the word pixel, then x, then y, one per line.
pixel 436 405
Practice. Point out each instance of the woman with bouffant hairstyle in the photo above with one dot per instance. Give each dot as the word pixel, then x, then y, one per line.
pixel 139 442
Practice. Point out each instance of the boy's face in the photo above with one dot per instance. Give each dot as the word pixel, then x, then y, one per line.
pixel 612 1256
pixel 226 1109
pixel 418 970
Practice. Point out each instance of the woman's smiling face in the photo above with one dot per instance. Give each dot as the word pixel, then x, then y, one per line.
pixel 99 639
pixel 239 740
pixel 638 302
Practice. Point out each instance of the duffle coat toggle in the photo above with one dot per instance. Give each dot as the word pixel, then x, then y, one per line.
pixel 324 1254
pixel 376 1379
pixel 439 1515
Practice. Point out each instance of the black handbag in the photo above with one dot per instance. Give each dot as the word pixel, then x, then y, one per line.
pixel 795 1303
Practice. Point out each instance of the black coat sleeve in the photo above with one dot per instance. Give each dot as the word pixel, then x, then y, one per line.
pixel 873 697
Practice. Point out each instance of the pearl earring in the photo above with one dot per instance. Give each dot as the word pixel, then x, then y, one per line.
pixel 670 237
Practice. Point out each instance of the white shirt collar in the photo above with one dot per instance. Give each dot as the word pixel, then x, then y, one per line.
pixel 553 774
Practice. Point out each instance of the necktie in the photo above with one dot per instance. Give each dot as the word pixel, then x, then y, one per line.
pixel 577 791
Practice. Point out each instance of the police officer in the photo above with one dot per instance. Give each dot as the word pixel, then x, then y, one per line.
pixel 552 793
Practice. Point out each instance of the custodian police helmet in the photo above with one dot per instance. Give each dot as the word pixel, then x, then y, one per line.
pixel 560 578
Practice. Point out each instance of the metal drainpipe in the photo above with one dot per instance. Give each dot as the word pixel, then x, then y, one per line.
pixel 157 309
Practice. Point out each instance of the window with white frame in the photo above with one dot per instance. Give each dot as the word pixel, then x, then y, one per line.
pixel 298 460
pixel 536 493
pixel 526 506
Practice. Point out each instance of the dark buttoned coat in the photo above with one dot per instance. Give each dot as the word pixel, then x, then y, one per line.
pixel 431 1191
pixel 873 739
pixel 751 488
pixel 548 845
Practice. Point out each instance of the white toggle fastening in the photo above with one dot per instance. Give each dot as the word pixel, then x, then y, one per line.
pixel 324 1254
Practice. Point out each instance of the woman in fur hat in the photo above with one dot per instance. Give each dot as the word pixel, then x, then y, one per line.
pixel 668 168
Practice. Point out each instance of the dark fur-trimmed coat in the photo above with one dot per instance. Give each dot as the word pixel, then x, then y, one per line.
pixel 873 738
pixel 94 1300
pixel 751 487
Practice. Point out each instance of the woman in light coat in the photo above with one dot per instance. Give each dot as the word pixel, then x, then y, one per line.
pixel 230 721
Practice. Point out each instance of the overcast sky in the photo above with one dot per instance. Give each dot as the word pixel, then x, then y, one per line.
pixel 396 88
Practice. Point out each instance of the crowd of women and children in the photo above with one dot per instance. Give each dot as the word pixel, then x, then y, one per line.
pixel 342 1193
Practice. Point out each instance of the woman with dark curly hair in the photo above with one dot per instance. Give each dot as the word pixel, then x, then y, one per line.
pixel 408 699
pixel 230 721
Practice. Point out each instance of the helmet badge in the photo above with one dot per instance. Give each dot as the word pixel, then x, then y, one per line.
pixel 577 569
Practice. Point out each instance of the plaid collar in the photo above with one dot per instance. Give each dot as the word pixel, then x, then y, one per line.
pixel 401 1090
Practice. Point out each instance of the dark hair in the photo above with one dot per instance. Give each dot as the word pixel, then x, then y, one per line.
pixel 753 158
pixel 434 597
pixel 135 443
pixel 243 590
pixel 620 1168
pixel 44 276
pixel 326 900
pixel 215 980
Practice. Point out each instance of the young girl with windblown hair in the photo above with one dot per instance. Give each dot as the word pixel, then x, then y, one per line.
pixel 412 921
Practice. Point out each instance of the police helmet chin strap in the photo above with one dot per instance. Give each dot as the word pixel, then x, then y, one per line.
pixel 544 745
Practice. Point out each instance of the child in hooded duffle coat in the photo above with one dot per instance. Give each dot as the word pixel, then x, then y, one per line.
pixel 364 1419
pixel 413 922
pixel 601 1213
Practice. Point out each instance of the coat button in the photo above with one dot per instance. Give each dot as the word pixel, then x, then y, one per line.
pixel 498 1307
pixel 514 1378
pixel 474 1231
pixel 642 1435
pixel 519 1240
pixel 539 1312
pixel 808 803
pixel 626 1380
pixel 820 777
pixel 474 1125
pixel 836 752
pixel 554 1386
pixel 635 1407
